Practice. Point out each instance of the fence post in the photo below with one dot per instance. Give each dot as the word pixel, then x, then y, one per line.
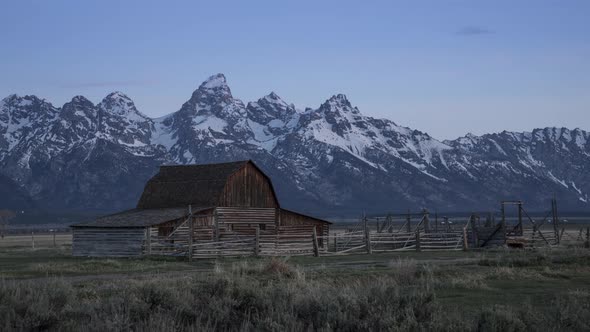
pixel 190 239
pixel 257 241
pixel 436 221
pixel 33 240
pixel 368 238
pixel 316 249
pixel 587 245
pixel 148 240
pixel 561 235
pixel 418 241
pixel 465 244
pixel 191 234
pixel 474 230
pixel 216 221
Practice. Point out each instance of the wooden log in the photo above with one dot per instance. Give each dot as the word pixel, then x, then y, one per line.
pixel 191 234
pixel 257 242
pixel 316 249
pixel 503 222
pixel 426 221
pixel 465 244
pixel 216 223
pixel 148 240
pixel 367 237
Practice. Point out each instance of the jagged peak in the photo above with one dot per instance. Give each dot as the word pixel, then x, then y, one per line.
pixel 214 82
pixel 339 98
pixel 273 98
pixel 340 102
pixel 117 98
pixel 81 100
pixel 120 104
pixel 115 95
pixel 214 88
pixel 16 101
pixel 10 97
pixel 15 97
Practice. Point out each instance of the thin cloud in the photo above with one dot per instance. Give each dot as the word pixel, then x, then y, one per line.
pixel 106 84
pixel 474 31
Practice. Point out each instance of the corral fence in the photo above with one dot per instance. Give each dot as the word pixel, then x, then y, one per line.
pixel 205 243
pixel 195 239
pixel 393 233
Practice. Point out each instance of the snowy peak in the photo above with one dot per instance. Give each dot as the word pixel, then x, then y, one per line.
pixel 215 88
pixel 214 82
pixel 81 100
pixel 271 108
pixel 79 109
pixel 119 104
pixel 339 101
pixel 22 111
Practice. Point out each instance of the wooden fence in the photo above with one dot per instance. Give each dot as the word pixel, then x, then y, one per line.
pixel 291 241
pixel 199 240
pixel 360 241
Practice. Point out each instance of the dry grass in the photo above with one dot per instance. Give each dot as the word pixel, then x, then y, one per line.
pixel 277 294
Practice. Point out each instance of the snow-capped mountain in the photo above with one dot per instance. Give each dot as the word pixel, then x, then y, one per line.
pixel 333 158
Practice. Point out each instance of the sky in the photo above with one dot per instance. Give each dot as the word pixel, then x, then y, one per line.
pixel 444 67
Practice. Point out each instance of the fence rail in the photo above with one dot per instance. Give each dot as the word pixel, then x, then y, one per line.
pixel 290 242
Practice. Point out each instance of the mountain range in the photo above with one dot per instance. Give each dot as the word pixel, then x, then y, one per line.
pixel 329 160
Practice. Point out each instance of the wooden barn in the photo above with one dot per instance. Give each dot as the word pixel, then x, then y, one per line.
pixel 226 209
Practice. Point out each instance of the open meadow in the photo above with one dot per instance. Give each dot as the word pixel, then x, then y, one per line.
pixel 496 290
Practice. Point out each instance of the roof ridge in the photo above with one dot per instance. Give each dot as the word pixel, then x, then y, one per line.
pixel 208 164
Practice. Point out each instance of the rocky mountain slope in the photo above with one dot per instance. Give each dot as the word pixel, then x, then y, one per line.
pixel 331 160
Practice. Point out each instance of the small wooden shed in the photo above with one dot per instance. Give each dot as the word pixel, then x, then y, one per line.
pixel 203 210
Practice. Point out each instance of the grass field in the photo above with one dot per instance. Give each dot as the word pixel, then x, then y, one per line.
pixel 502 290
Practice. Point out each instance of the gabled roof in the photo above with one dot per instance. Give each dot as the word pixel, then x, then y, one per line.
pixel 139 217
pixel 180 186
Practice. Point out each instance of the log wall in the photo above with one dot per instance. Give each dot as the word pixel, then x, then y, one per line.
pixel 245 220
pixel 107 242
pixel 288 218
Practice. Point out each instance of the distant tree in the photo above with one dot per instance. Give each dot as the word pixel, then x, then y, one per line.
pixel 5 217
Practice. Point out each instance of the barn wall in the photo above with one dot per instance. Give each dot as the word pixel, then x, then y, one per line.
pixel 288 218
pixel 248 187
pixel 245 220
pixel 107 242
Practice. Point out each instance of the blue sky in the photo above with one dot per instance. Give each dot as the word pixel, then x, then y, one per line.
pixel 444 67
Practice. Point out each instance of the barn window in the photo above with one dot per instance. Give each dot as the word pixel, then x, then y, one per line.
pixel 262 227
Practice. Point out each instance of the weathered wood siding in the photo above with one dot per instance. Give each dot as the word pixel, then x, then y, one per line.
pixel 248 187
pixel 107 242
pixel 288 218
pixel 245 220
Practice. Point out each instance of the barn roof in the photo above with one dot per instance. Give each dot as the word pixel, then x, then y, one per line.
pixel 179 186
pixel 306 216
pixel 139 217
